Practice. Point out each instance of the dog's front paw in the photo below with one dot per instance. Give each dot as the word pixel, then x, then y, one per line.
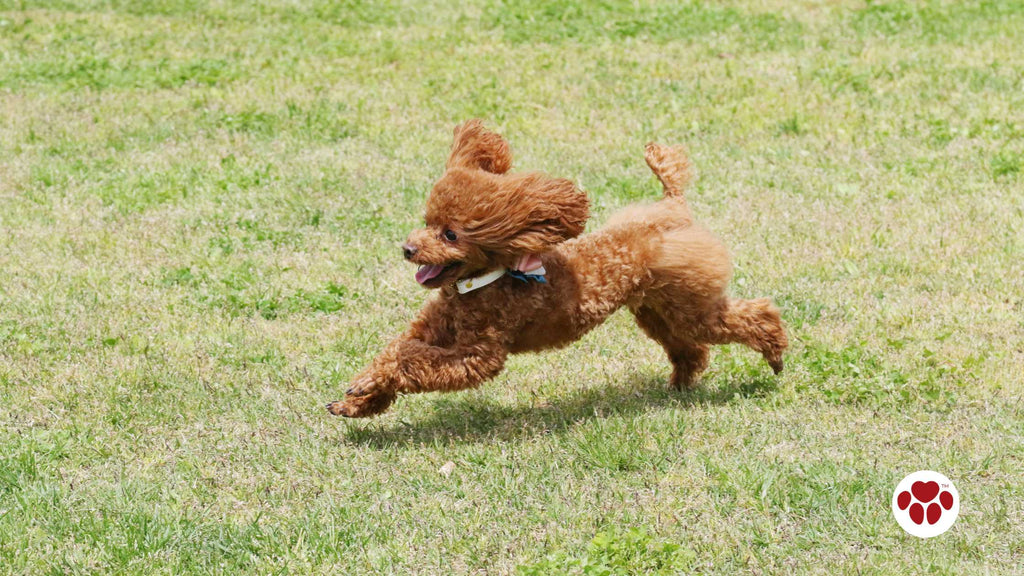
pixel 365 397
pixel 361 406
pixel 337 408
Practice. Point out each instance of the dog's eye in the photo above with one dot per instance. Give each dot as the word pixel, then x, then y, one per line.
pixel 450 236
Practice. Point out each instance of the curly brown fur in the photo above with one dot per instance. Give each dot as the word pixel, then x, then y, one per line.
pixel 671 273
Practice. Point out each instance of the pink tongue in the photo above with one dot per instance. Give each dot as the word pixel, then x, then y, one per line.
pixel 428 271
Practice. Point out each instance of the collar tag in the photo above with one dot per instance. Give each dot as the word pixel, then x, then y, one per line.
pixel 470 284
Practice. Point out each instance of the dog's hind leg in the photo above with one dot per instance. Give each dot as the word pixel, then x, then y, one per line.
pixel 755 323
pixel 689 358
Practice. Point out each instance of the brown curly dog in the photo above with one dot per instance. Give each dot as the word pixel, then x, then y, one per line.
pixel 512 277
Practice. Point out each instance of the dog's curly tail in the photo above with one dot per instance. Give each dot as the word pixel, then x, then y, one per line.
pixel 672 166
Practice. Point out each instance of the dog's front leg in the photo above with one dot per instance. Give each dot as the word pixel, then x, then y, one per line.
pixel 410 365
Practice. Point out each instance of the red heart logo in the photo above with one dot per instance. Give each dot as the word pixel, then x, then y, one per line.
pixel 925 491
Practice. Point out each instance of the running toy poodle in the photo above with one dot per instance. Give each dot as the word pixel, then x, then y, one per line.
pixel 512 277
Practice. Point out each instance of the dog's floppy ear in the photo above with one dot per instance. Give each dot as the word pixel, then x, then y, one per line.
pixel 558 211
pixel 528 214
pixel 476 147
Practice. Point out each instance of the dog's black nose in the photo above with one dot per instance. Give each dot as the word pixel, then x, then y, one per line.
pixel 409 251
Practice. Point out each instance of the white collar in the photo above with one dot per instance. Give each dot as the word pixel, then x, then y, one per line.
pixel 470 284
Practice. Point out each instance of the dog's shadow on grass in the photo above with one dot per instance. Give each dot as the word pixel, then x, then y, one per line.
pixel 470 418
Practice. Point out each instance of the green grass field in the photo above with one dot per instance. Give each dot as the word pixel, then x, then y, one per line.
pixel 200 207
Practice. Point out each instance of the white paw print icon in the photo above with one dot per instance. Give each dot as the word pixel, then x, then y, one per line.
pixel 925 504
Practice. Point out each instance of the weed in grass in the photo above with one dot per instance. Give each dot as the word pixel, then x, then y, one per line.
pixel 615 552
pixel 1007 163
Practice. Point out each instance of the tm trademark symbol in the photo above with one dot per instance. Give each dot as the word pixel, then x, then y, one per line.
pixel 945 485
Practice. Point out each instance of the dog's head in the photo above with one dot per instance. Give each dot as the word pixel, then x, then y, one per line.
pixel 479 217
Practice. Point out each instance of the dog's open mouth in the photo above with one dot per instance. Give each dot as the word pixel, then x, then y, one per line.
pixel 435 274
